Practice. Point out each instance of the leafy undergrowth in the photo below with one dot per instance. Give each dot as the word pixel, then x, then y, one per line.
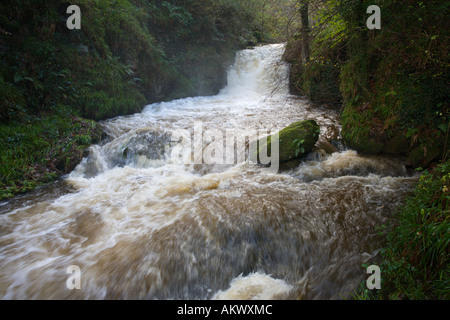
pixel 416 264
pixel 40 149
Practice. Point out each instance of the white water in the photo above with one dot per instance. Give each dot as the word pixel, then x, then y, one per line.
pixel 141 226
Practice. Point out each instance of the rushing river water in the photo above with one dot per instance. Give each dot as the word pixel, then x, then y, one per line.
pixel 140 225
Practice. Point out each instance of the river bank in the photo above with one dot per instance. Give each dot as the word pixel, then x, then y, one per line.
pixel 416 258
pixel 391 84
pixel 40 150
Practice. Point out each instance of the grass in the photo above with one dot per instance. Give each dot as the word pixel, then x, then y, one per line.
pixel 38 150
pixel 415 263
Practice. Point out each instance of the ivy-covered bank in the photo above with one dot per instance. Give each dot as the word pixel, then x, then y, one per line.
pixel 392 83
pixel 128 53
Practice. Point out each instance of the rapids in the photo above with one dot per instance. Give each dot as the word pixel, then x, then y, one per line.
pixel 141 225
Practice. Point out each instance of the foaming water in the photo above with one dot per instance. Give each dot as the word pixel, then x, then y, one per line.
pixel 255 286
pixel 143 226
pixel 349 163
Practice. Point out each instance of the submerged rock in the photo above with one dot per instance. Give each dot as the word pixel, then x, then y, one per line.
pixel 147 143
pixel 327 146
pixel 295 141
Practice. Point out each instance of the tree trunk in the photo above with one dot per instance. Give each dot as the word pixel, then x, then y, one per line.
pixel 304 4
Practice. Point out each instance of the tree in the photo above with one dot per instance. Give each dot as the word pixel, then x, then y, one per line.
pixel 304 16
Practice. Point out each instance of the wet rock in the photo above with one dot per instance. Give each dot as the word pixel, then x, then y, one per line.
pixel 67 161
pixel 327 146
pixel 290 165
pixel 296 140
pixel 399 144
pixel 363 143
pixel 423 155
pixel 150 144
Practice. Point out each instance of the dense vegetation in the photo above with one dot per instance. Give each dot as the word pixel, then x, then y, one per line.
pixel 392 83
pixel 126 54
pixel 417 260
pixel 415 263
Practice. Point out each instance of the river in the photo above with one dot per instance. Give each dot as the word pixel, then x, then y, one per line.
pixel 140 224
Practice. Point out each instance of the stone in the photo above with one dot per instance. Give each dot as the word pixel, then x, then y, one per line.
pixel 399 144
pixel 423 155
pixel 296 140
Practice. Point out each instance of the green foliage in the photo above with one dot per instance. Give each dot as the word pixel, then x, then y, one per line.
pixel 416 260
pixel 317 76
pixel 389 80
pixel 200 39
pixel 298 146
pixel 272 20
pixel 399 71
pixel 12 101
pixel 35 151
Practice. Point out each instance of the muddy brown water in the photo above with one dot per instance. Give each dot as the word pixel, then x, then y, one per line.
pixel 142 226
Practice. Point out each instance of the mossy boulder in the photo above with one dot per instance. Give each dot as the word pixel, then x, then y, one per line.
pixel 399 144
pixel 362 141
pixel 295 141
pixel 423 155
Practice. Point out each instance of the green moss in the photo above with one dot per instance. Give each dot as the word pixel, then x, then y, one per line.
pixel 423 155
pixel 364 144
pixel 399 144
pixel 295 140
pixel 358 129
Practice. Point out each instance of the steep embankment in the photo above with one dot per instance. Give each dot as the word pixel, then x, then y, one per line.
pixel 392 83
